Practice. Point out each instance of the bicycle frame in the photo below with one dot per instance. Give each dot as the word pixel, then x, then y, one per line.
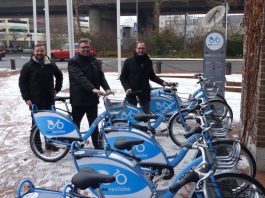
pixel 67 130
pixel 38 192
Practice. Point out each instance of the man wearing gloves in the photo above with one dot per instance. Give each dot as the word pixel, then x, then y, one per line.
pixel 86 78
pixel 135 75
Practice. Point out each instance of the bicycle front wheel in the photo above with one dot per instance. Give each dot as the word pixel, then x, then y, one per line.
pixel 237 185
pixel 222 114
pixel 46 151
pixel 246 163
pixel 179 124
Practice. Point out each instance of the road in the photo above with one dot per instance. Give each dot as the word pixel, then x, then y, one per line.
pixel 110 64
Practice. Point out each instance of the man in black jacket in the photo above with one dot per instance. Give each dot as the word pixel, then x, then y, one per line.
pixel 36 82
pixel 135 75
pixel 86 78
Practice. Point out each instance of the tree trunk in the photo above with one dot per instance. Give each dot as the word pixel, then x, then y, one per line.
pixel 156 15
pixel 79 31
pixel 252 53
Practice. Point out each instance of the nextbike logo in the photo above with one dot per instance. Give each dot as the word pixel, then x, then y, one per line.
pixel 55 125
pixel 128 116
pixel 214 41
pixel 161 106
pixel 120 178
pixel 140 148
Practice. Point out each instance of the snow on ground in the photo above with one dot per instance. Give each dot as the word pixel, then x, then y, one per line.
pixel 17 161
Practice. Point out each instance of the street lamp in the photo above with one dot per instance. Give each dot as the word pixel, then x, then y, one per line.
pixel 47 27
pixel 137 21
pixel 118 9
pixel 34 21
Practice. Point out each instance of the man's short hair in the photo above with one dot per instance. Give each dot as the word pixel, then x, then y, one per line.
pixel 39 45
pixel 139 42
pixel 83 40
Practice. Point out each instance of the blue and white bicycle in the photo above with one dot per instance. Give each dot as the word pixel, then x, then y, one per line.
pixel 97 170
pixel 86 178
pixel 132 181
pixel 59 129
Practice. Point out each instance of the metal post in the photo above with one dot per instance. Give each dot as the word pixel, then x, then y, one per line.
pixel 137 39
pixel 228 68
pixel 158 67
pixel 47 25
pixel 13 64
pixel 70 26
pixel 34 22
pixel 226 17
pixel 118 35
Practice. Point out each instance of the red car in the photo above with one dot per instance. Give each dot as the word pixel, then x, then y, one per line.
pixel 64 53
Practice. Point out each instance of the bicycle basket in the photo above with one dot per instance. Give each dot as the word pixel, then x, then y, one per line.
pixel 113 106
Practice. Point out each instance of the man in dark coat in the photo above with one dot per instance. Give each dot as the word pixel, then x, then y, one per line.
pixel 36 82
pixel 135 75
pixel 86 78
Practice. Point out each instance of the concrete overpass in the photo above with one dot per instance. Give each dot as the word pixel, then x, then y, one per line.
pixel 102 13
pixel 18 8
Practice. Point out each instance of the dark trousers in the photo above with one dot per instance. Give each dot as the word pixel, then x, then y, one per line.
pixel 144 104
pixel 91 112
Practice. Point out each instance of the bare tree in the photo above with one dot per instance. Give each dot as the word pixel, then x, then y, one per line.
pixel 76 6
pixel 58 31
pixel 157 15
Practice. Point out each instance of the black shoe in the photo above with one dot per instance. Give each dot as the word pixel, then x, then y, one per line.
pixel 51 147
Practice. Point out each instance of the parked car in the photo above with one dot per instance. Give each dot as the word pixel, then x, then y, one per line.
pixel 63 52
pixel 2 53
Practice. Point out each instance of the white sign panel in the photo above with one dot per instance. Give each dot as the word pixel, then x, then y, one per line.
pixel 214 41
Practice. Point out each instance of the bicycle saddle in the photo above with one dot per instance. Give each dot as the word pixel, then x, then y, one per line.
pixel 87 178
pixel 61 98
pixel 142 117
pixel 123 144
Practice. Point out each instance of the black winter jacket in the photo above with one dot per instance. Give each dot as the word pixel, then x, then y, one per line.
pixel 85 75
pixel 36 82
pixel 136 73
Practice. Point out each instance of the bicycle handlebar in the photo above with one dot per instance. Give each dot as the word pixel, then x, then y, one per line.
pixel 61 98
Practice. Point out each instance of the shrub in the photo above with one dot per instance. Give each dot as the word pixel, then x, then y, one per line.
pixel 234 46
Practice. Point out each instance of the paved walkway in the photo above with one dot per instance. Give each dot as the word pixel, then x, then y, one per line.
pixel 17 161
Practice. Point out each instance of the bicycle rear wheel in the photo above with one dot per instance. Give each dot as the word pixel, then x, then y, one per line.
pixel 237 185
pixel 46 151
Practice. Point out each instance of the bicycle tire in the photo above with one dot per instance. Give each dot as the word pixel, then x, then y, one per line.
pixel 237 185
pixel 222 114
pixel 220 97
pixel 217 97
pixel 246 164
pixel 176 130
pixel 41 150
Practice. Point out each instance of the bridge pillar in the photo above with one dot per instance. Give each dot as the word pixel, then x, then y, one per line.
pixel 146 22
pixel 102 20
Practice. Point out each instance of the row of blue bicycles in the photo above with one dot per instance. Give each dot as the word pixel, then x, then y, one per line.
pixel 133 163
